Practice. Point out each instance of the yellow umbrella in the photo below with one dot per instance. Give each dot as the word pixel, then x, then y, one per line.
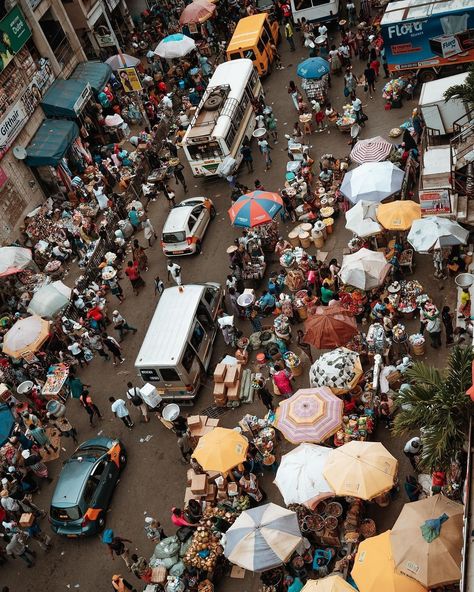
pixel 398 215
pixel 435 563
pixel 374 569
pixel 221 450
pixel 26 335
pixel 329 584
pixel 360 469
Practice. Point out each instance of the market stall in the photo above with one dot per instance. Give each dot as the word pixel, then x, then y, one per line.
pixel 56 383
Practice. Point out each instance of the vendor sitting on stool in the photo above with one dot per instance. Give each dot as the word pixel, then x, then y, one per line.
pixel 325 176
pixel 266 302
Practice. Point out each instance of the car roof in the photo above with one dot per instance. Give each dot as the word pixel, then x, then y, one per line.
pixel 177 218
pixel 71 482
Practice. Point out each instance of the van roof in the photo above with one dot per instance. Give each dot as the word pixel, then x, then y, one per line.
pixel 247 32
pixel 177 219
pixel 406 10
pixel 174 312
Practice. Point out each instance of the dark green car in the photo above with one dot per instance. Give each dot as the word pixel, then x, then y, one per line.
pixel 85 487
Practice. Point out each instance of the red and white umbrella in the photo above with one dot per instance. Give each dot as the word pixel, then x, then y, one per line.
pixel 371 150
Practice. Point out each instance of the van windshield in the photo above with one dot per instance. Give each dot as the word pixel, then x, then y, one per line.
pixel 174 237
pixel 71 513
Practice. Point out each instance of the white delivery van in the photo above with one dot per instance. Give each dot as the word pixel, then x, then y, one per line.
pixel 437 113
pixel 177 348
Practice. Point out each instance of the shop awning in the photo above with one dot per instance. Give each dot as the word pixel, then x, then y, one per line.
pixel 66 98
pixel 96 73
pixel 50 142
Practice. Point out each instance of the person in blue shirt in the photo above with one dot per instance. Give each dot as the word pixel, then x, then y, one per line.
pixel 134 218
pixel 266 302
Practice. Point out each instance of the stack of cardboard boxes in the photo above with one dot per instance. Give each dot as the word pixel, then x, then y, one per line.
pixel 201 487
pixel 227 385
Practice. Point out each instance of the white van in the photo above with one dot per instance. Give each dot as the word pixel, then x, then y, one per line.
pixel 177 348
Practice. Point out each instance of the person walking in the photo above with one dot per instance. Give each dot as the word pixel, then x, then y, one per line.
pixel 265 150
pixel 247 157
pixel 141 568
pixel 119 409
pixel 95 343
pixel 369 75
pixel 116 289
pixel 153 530
pixel 121 325
pixel 149 231
pixel 34 532
pixel 184 445
pixel 114 348
pixel 170 196
pixel 271 125
pixel 89 406
pixel 41 438
pixel 65 428
pixel 34 462
pixel 134 395
pixel 282 380
pixel 78 353
pixel 116 546
pixel 265 395
pixel 412 449
pixel 139 255
pixel 121 585
pixel 17 547
pixel 159 286
pixel 133 274
pixel 175 271
pixel 134 218
pixel 447 318
pixel 179 177
pixel 289 34
pixel 293 92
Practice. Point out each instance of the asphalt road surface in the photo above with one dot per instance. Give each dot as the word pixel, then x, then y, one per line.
pixel 154 479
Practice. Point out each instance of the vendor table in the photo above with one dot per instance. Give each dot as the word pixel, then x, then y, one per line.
pixel 55 386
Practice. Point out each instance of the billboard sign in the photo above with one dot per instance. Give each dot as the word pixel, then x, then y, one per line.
pixel 14 33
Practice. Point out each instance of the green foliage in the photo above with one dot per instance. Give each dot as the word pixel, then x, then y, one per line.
pixel 464 92
pixel 437 403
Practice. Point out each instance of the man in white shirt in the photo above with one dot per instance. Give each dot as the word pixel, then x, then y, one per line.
pixel 134 395
pixel 357 107
pixel 412 449
pixel 322 29
pixel 76 351
pixel 152 399
pixel 175 271
pixel 119 409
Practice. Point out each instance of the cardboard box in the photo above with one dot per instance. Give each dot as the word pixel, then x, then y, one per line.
pixel 237 572
pixel 221 494
pixel 219 388
pixel 233 392
pixel 212 476
pixel 231 375
pixel 26 519
pixel 189 476
pixel 221 402
pixel 194 421
pixel 211 492
pixel 158 574
pixel 189 495
pixel 199 484
pixel 210 421
pixel 220 372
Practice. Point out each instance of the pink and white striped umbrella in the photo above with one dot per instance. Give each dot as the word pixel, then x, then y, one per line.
pixel 371 150
pixel 310 415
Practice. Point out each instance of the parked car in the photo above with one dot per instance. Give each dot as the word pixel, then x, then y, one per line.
pixel 185 226
pixel 85 487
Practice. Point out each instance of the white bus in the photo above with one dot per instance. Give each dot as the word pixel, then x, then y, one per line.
pixel 224 117
pixel 315 10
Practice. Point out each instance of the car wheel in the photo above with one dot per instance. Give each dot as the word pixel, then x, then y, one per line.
pixel 122 459
pixel 198 248
pixel 100 522
pixel 212 212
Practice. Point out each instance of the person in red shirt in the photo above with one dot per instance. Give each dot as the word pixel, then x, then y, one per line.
pixel 96 315
pixel 162 87
pixel 134 276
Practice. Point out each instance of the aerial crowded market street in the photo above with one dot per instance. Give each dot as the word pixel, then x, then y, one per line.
pixel 296 413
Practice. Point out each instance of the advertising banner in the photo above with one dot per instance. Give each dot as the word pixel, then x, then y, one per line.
pixel 129 79
pixel 434 201
pixel 434 40
pixel 14 33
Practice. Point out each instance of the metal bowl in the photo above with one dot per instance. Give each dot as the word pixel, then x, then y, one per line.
pixel 171 412
pixel 464 280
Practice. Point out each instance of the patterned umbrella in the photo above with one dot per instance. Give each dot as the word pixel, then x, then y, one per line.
pixel 434 232
pixel 310 415
pixel 262 538
pixel 330 326
pixel 371 150
pixel 313 68
pixel 175 46
pixel 339 370
pixel 198 11
pixel 255 208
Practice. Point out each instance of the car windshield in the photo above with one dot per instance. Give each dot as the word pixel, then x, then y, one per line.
pixel 89 453
pixel 174 237
pixel 71 513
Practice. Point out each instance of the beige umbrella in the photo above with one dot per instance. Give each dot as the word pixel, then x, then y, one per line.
pixel 361 469
pixel 26 335
pixel 333 583
pixel 435 563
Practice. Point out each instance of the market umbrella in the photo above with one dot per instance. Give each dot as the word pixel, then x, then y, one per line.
pixel 313 68
pixel 122 60
pixel 374 569
pixel 332 583
pixel 361 219
pixel 361 469
pixel 339 370
pixel 300 475
pixel 198 11
pixel 175 46
pixel 329 326
pixel 427 541
pixel 371 150
pixel 372 181
pixel 310 415
pixel 255 208
pixel 398 215
pixel 13 260
pixel 434 232
pixel 221 450
pixel 262 538
pixel 27 334
pixel 50 299
pixel 364 269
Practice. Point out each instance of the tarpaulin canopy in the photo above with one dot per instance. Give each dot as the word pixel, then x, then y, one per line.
pixel 7 423
pixel 96 73
pixel 14 259
pixel 66 98
pixel 50 142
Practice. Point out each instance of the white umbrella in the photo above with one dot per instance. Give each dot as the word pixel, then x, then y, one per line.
pixel 14 259
pixel 364 270
pixel 300 475
pixel 175 46
pixel 49 300
pixel 372 181
pixel 434 232
pixel 123 60
pixel 361 219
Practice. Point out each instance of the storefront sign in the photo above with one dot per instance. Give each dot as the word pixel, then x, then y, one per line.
pixel 14 33
pixel 16 119
pixel 105 40
pixel 129 79
pixel 86 94
pixel 435 201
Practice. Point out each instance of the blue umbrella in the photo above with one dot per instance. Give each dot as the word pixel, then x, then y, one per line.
pixel 175 46
pixel 7 423
pixel 314 68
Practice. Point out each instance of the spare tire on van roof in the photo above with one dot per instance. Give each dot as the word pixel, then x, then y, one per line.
pixel 213 102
